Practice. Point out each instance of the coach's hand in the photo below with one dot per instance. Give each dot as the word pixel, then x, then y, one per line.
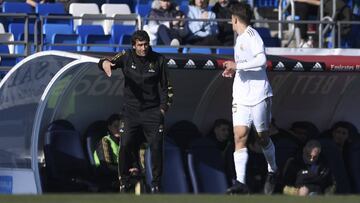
pixel 107 65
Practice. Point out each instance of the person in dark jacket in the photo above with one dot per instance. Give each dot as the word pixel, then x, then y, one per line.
pixel 313 175
pixel 147 96
pixel 222 11
pixel 221 133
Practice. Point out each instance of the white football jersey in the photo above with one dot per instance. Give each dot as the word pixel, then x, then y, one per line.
pixel 251 85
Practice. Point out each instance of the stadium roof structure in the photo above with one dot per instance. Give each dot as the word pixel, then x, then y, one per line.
pixel 55 85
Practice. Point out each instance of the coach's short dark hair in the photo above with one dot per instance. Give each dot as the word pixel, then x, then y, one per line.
pixel 242 10
pixel 140 35
pixel 113 118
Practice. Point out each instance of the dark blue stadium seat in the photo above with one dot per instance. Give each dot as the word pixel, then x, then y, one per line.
pixel 143 2
pixel 174 179
pixel 266 3
pixel 2 74
pixel 93 135
pixel 58 19
pixel 269 41
pixel 66 165
pixel 17 29
pixel 285 148
pixel 206 167
pixel 184 8
pixel 353 158
pixel 7 61
pixel 84 30
pixel 4 48
pixel 353 41
pixel 51 29
pixel 263 32
pixel 228 51
pixel 182 2
pixel 47 8
pixel 64 39
pixel 336 163
pixel 143 9
pixel 272 42
pixel 120 48
pixel 166 49
pixel 196 50
pixel 20 48
pixel 119 30
pixel 125 40
pixel 16 7
pixel 99 39
pixel 183 133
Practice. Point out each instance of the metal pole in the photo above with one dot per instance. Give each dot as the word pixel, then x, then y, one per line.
pixel 26 34
pixel 36 40
pixel 339 34
pixel 333 34
pixel 321 25
pixel 41 44
pixel 280 14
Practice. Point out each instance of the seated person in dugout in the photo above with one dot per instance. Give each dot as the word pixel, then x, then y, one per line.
pixel 312 175
pixel 106 154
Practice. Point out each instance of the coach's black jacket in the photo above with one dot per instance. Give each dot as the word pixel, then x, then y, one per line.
pixel 143 78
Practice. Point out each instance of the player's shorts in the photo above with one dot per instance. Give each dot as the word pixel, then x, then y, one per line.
pixel 259 115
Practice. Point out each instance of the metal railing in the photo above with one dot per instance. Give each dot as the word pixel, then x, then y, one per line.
pixel 26 20
pixel 324 26
pixel 326 22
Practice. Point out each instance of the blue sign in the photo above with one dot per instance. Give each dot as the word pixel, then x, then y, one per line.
pixel 6 184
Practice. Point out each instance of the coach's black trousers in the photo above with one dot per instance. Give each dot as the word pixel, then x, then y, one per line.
pixel 139 123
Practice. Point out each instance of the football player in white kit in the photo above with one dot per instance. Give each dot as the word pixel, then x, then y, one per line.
pixel 251 97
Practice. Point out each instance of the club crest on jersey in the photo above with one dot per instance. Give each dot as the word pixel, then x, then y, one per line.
pixel 241 47
pixel 151 68
pixel 133 66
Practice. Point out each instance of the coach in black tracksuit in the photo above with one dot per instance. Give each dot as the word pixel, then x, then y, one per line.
pixel 147 96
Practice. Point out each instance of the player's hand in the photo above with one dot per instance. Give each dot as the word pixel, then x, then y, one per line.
pixel 107 65
pixel 162 112
pixel 228 73
pixel 229 67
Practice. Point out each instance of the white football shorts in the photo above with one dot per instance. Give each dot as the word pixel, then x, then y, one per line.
pixel 259 115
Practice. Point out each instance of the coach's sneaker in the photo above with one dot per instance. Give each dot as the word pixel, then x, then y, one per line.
pixel 270 183
pixel 155 189
pixel 125 186
pixel 238 188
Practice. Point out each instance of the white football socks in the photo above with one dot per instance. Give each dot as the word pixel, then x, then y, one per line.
pixel 269 153
pixel 240 160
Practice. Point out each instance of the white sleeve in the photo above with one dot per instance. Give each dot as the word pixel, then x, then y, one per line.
pixel 256 44
pixel 258 61
pixel 256 47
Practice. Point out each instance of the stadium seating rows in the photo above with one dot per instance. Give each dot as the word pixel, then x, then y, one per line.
pixel 89 12
pixel 54 19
